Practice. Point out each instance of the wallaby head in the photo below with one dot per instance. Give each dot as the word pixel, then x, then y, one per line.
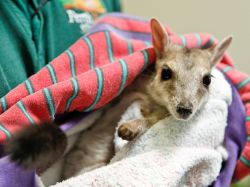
pixel 182 75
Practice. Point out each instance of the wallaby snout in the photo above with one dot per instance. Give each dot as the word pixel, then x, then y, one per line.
pixel 183 111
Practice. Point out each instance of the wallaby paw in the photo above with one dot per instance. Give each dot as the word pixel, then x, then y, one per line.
pixel 127 132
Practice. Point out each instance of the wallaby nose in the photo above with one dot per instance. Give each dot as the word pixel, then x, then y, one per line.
pixel 184 111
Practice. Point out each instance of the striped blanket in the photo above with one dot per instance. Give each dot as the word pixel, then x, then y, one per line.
pixel 96 69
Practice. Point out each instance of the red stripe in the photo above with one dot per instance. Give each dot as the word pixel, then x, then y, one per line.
pixel 137 45
pixel 88 89
pixel 120 48
pixel 100 50
pixel 246 151
pixel 13 123
pixel 245 97
pixel 241 171
pixel 60 94
pixel 245 88
pixel 62 67
pixel 2 137
pixel 39 112
pixel 221 66
pixel 16 94
pixel 205 37
pixel 80 51
pixel 110 72
pixel 176 39
pixel 151 55
pixel 134 68
pixel 248 132
pixel 227 60
pixel 247 105
pixel 235 76
pixel 247 109
pixel 191 41
pixel 41 79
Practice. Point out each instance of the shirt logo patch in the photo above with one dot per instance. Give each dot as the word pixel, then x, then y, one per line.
pixel 85 20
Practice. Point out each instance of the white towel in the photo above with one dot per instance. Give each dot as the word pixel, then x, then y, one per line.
pixel 171 153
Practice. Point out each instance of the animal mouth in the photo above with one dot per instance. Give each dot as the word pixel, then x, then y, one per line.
pixel 183 116
pixel 184 113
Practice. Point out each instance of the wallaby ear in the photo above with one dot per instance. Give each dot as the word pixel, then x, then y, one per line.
pixel 160 37
pixel 219 50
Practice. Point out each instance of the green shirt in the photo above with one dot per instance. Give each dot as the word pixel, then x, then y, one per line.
pixel 33 32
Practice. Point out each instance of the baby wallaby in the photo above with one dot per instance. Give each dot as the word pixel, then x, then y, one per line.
pixel 176 85
pixel 179 84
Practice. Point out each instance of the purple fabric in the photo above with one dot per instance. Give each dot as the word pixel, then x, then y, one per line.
pixel 126 34
pixel 235 137
pixel 129 35
pixel 14 176
pixel 126 16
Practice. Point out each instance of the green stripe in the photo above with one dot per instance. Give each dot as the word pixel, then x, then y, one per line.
pixel 52 73
pixel 245 161
pixel 72 63
pixel 110 48
pixel 23 109
pixel 145 55
pixel 75 93
pixel 99 89
pixel 4 104
pixel 243 83
pixel 130 48
pixel 183 40
pixel 211 41
pixel 248 118
pixel 91 52
pixel 50 102
pixel 198 37
pixel 226 69
pixel 124 75
pixel 248 138
pixel 148 44
pixel 5 131
pixel 29 86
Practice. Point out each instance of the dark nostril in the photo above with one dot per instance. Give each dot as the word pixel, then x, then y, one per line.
pixel 184 111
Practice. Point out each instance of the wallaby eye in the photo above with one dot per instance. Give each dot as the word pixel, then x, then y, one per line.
pixel 207 80
pixel 166 74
